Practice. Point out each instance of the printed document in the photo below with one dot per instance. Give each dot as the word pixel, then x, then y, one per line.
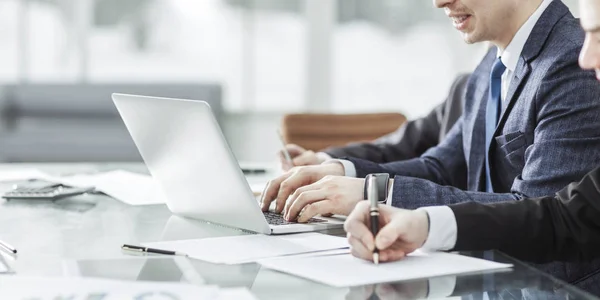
pixel 347 270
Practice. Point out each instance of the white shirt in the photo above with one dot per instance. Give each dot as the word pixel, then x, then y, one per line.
pixel 442 222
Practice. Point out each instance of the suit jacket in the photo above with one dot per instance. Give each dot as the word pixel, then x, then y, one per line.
pixel 565 227
pixel 548 134
pixel 415 137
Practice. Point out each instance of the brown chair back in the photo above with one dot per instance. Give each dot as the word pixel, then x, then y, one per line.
pixel 319 131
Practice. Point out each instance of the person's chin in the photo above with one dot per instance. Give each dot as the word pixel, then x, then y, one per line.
pixel 470 38
pixel 598 74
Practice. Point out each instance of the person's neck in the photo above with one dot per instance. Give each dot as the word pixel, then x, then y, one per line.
pixel 521 15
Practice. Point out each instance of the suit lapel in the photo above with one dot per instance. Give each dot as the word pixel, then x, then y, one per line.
pixel 534 45
pixel 519 77
pixel 477 161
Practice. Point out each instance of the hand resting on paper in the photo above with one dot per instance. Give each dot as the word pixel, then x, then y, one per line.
pixel 401 232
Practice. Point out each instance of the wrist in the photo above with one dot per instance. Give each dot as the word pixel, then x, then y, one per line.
pixel 421 225
pixel 336 168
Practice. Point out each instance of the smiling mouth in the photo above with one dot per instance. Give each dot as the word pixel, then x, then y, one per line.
pixel 460 21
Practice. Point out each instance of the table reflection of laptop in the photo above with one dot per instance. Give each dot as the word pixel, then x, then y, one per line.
pixel 187 154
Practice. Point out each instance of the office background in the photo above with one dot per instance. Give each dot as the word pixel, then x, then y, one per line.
pixel 255 60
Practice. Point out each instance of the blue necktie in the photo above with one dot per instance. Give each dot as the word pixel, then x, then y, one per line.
pixel 492 114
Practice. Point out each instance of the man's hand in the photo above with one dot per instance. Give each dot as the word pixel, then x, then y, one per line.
pixel 401 232
pixel 279 189
pixel 330 195
pixel 300 157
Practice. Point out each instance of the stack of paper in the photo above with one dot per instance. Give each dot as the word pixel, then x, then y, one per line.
pixel 15 287
pixel 250 248
pixel 346 270
pixel 131 188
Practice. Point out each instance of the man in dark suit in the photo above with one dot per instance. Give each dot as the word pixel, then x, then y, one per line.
pixel 530 125
pixel 410 140
pixel 564 227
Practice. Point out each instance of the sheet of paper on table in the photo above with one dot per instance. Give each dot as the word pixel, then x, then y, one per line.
pixel 346 270
pixel 249 248
pixel 131 188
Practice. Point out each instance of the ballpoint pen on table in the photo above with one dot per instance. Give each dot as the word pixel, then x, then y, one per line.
pixel 8 247
pixel 135 248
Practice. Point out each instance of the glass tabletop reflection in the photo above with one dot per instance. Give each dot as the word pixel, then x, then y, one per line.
pixel 82 236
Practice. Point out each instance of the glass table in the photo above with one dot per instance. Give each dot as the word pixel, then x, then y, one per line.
pixel 81 236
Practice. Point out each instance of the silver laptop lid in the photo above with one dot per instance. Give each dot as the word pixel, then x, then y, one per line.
pixel 188 156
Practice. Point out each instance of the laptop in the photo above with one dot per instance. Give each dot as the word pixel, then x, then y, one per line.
pixel 187 154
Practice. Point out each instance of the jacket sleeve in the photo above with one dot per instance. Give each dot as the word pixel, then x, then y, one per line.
pixel 444 164
pixel 565 227
pixel 410 140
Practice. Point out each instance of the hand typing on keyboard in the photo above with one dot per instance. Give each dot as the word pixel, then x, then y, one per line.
pixel 274 218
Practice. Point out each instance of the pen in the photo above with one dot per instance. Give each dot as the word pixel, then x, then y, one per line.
pixel 254 171
pixel 8 247
pixel 374 213
pixel 286 154
pixel 150 250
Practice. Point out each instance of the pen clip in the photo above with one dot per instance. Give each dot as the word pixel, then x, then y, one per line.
pixel 372 193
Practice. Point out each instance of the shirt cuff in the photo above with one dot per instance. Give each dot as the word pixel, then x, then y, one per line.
pixel 322 156
pixel 442 228
pixel 349 168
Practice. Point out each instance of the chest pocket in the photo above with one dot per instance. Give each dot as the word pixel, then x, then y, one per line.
pixel 509 159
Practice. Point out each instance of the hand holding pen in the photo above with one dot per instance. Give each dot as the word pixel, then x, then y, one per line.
pixel 284 150
pixel 400 232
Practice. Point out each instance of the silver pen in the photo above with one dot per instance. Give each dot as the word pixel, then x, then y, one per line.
pixel 373 196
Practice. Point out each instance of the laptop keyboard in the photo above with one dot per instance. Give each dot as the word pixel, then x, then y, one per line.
pixel 277 219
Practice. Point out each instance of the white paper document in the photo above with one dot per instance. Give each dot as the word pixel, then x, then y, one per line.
pixel 131 188
pixel 347 271
pixel 250 248
pixel 3 267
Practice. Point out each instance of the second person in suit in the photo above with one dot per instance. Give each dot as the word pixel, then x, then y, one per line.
pixel 530 125
pixel 564 227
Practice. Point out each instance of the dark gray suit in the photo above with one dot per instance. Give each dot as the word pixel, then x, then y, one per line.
pixel 548 135
pixel 415 137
